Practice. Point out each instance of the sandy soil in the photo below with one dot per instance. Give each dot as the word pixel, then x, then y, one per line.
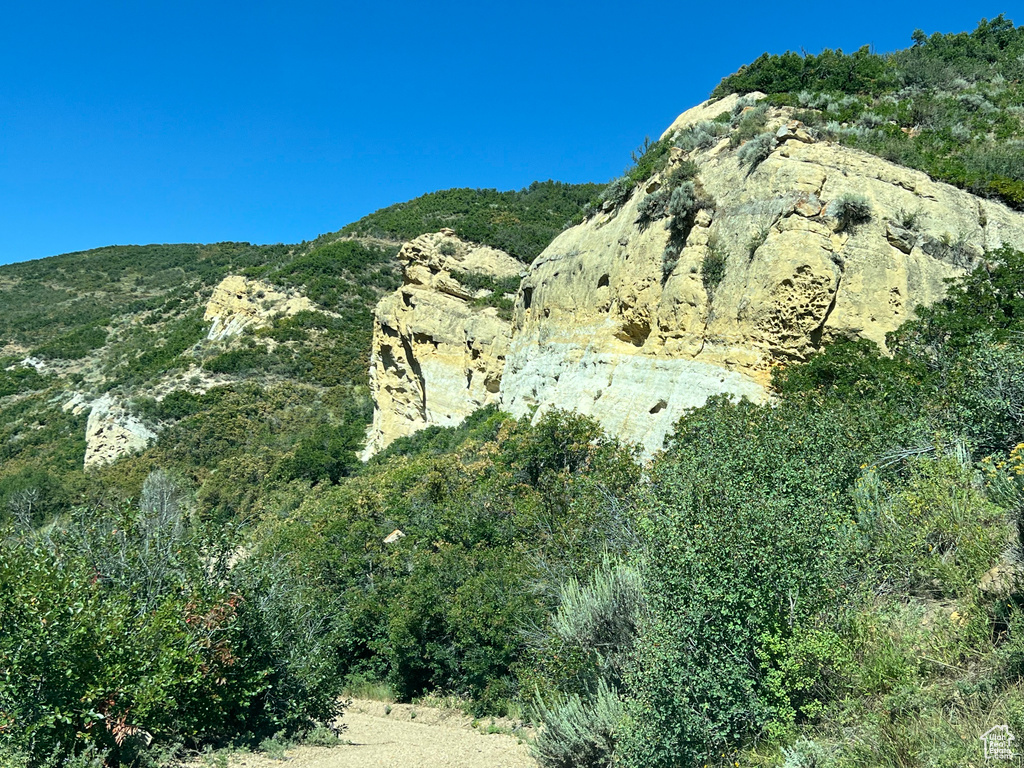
pixel 408 736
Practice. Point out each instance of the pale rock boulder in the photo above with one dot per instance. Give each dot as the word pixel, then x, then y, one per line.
pixel 709 110
pixel 238 303
pixel 600 328
pixel 111 431
pixel 436 358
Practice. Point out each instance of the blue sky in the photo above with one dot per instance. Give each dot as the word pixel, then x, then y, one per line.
pixel 274 122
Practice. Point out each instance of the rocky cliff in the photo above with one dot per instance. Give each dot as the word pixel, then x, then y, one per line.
pixel 237 303
pixel 437 354
pixel 619 317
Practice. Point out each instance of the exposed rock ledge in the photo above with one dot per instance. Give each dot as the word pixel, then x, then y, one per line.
pixel 237 303
pixel 435 357
pixel 111 431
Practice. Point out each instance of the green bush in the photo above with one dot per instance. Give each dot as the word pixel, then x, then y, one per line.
pixel 520 222
pixel 849 209
pixel 590 635
pixel 74 345
pixel 934 534
pixel 579 733
pixel 125 633
pixel 712 268
pixel 756 151
pixel 746 532
pixel 618 191
pixel 20 378
pixel 653 207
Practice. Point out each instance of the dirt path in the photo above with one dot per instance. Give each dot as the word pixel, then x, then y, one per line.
pixel 407 736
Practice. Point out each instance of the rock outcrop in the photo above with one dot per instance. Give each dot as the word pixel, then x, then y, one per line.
pixel 436 357
pixel 610 322
pixel 110 431
pixel 237 303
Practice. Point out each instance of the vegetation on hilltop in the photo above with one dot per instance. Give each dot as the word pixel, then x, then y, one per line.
pixel 519 222
pixel 952 105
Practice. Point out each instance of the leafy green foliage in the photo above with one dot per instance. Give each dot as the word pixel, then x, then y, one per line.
pixel 579 734
pixel 850 210
pixel 712 268
pixel 933 533
pixel 122 629
pixel 74 345
pixel 15 378
pixel 859 72
pixel 745 526
pixel 485 527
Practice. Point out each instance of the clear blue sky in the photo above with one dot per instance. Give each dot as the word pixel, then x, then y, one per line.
pixel 274 122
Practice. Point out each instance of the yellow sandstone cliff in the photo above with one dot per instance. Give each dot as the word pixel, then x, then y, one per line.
pixel 607 325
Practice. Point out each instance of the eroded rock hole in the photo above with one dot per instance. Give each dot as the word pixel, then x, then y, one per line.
pixel 603 282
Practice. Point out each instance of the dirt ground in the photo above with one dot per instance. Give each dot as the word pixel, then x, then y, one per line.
pixel 406 736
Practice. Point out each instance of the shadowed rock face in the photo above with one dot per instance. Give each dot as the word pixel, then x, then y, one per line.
pixel 603 325
pixel 435 357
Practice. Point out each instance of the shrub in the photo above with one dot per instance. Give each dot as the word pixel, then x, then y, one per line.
pixel 933 535
pixel 447 248
pixel 702 135
pixel 807 754
pixel 578 733
pixel 653 207
pixel 684 203
pixel 850 209
pixel 160 644
pixel 757 239
pixel 669 261
pixel 756 151
pixel 750 124
pixel 618 191
pixel 909 219
pixel 684 171
pixel 712 268
pixel 988 300
pixel 591 633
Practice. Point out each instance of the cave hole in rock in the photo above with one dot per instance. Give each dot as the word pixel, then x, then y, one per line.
pixel 603 282
pixel 635 332
pixel 527 297
pixel 659 407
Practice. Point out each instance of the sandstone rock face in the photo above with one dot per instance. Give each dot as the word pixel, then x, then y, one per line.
pixel 238 303
pixel 606 325
pixel 111 431
pixel 609 323
pixel 436 358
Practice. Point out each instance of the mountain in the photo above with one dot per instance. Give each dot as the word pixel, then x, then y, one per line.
pixel 720 463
